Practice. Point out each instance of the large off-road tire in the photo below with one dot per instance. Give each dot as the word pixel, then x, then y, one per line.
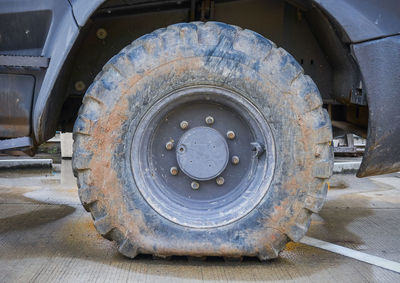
pixel 186 72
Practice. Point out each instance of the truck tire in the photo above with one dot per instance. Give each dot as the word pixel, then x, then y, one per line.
pixel 202 139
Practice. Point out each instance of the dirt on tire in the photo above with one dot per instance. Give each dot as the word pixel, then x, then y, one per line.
pixel 214 54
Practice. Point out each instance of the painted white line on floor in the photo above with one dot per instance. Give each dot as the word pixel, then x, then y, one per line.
pixel 348 163
pixel 374 260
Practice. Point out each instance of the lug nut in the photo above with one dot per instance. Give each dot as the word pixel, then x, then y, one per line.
pixel 209 120
pixel 195 185
pixel 174 171
pixel 235 160
pixel 169 145
pixel 220 181
pixel 230 135
pixel 184 125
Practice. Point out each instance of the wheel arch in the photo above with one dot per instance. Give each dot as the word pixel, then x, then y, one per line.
pixel 347 30
pixel 50 99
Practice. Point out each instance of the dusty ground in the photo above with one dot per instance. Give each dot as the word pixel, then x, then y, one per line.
pixel 45 235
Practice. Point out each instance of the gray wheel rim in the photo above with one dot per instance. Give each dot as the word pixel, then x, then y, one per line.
pixel 243 184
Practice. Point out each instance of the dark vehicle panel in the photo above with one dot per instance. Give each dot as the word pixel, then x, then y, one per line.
pixel 379 62
pixel 16 95
pixel 33 32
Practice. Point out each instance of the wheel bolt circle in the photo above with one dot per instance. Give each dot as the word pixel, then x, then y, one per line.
pixel 235 160
pixel 230 135
pixel 209 120
pixel 220 181
pixel 169 145
pixel 195 185
pixel 174 171
pixel 184 125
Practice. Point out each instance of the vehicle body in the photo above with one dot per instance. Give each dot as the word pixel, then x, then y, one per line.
pixel 51 51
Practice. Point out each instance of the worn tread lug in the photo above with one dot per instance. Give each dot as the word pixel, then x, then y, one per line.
pixel 286 73
pixel 302 223
pixel 297 231
pixel 81 160
pixel 128 249
pixel 103 226
pixel 314 203
pixel 83 125
pixel 267 254
pixel 86 196
pixel 323 170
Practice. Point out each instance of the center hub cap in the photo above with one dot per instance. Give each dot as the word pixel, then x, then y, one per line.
pixel 202 153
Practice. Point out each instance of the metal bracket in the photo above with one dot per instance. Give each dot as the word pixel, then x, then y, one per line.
pixel 24 61
pixel 16 143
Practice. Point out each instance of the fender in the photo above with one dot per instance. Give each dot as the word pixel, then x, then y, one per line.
pixel 362 20
pixel 370 28
pixel 379 63
pixel 61 38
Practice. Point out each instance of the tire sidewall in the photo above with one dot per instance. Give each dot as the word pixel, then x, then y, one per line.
pixel 281 117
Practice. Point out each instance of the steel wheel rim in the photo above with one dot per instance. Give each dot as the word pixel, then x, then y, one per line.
pixel 151 176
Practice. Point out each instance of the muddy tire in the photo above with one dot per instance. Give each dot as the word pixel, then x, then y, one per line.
pixel 187 72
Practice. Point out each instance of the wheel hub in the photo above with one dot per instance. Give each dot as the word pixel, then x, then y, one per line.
pixel 202 153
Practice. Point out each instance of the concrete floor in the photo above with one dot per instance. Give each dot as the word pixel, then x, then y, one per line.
pixel 45 235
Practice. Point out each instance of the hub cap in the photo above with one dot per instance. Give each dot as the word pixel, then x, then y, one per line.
pixel 202 153
pixel 185 156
